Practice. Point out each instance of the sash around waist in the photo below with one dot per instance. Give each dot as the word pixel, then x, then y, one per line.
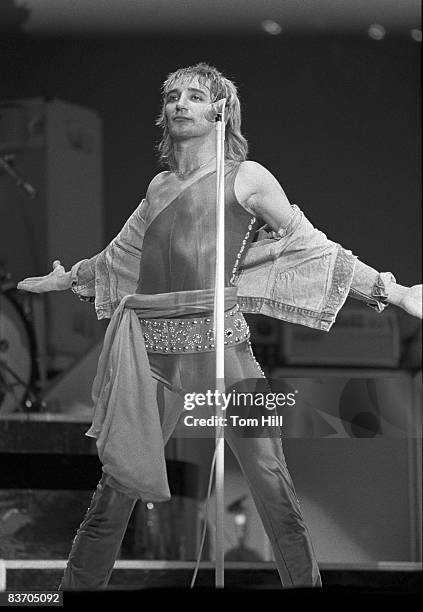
pixel 126 421
pixel 177 303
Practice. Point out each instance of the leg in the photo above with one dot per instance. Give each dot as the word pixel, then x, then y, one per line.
pixel 98 539
pixel 264 466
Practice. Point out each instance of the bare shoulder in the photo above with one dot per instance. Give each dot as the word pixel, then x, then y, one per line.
pixel 253 182
pixel 253 169
pixel 156 183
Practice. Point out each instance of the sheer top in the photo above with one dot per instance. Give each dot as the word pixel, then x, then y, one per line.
pixel 179 244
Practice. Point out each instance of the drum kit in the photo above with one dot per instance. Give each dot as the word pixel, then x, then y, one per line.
pixel 18 364
pixel 18 351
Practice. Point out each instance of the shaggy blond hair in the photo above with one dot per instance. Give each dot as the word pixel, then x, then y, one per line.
pixel 236 146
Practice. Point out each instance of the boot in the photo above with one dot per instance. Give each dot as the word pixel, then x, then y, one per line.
pixel 98 539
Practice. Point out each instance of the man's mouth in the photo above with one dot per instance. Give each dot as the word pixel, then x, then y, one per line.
pixel 182 119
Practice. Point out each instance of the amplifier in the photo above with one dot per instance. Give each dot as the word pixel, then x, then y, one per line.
pixel 359 337
pixel 57 147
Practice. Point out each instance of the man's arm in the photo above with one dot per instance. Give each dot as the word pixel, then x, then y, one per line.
pixel 82 276
pixel 260 193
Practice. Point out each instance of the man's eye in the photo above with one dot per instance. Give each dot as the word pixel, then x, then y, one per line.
pixel 196 97
pixel 172 98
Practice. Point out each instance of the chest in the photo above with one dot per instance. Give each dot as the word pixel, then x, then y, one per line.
pixel 169 189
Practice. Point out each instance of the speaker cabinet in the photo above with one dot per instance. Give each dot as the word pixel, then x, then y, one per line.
pixel 359 337
pixel 57 148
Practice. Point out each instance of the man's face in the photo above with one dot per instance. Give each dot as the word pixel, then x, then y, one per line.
pixel 186 103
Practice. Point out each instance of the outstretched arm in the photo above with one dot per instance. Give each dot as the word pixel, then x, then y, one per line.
pixel 57 280
pixel 260 193
pixel 82 278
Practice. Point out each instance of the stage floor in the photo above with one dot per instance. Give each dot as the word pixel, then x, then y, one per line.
pixel 378 578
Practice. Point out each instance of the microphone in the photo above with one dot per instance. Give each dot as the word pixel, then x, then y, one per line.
pixel 213 111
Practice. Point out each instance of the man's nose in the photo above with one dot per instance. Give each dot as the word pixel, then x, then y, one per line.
pixel 182 102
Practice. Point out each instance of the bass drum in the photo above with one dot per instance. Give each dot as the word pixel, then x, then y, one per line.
pixel 17 354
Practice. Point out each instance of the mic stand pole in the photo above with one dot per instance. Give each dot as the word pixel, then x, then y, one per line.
pixel 26 187
pixel 219 326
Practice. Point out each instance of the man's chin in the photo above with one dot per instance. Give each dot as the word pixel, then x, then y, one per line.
pixel 181 134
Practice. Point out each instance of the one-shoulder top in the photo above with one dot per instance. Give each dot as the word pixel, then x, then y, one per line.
pixel 179 245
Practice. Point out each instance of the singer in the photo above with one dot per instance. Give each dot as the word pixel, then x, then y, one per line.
pixel 155 281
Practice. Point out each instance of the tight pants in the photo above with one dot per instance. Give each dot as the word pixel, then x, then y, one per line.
pixel 262 461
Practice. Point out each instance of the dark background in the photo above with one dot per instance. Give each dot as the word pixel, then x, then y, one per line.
pixel 335 118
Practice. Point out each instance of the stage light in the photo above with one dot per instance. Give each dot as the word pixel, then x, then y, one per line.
pixel 416 35
pixel 271 27
pixel 376 31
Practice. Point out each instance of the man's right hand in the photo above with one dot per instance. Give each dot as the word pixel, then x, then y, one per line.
pixel 58 280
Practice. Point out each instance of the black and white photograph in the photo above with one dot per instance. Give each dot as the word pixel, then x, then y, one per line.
pixel 210 301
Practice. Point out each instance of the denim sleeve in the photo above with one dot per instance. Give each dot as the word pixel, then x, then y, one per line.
pixel 108 276
pixel 83 279
pixel 371 286
pixel 299 275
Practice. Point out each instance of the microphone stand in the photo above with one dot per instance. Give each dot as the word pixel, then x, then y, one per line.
pixel 26 187
pixel 219 326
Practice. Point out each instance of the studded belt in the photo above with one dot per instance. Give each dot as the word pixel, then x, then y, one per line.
pixel 192 335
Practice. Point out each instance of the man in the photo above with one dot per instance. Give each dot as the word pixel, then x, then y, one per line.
pixel 156 281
